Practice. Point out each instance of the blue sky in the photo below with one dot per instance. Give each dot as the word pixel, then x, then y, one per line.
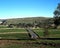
pixel 27 8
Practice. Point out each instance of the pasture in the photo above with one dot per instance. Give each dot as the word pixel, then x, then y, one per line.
pixel 21 33
pixel 53 33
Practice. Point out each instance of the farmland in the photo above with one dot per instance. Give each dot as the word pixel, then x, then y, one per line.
pixel 19 37
pixel 53 33
pixel 27 44
pixel 21 33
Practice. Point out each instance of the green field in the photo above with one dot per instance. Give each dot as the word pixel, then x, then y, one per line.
pixel 14 36
pixel 13 33
pixel 12 30
pixel 3 26
pixel 53 33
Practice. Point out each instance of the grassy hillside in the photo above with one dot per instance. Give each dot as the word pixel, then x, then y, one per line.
pixel 25 20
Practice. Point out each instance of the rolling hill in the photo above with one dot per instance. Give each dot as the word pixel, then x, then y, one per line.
pixel 25 20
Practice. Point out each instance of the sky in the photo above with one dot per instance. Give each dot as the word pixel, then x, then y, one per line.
pixel 27 8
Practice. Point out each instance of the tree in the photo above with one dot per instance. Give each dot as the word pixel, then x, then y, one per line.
pixel 57 16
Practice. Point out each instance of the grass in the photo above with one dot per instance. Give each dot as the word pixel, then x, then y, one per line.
pixel 12 30
pixel 3 26
pixel 53 33
pixel 25 20
pixel 50 41
pixel 14 36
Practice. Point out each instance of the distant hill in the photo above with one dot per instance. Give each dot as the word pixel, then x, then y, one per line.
pixel 25 20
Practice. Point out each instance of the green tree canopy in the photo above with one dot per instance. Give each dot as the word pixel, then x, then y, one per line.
pixel 57 15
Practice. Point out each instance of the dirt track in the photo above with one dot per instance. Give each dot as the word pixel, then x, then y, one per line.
pixel 29 43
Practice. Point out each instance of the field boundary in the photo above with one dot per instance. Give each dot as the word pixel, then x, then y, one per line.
pixel 12 32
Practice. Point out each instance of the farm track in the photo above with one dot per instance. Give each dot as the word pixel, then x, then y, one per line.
pixel 36 36
pixel 32 34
